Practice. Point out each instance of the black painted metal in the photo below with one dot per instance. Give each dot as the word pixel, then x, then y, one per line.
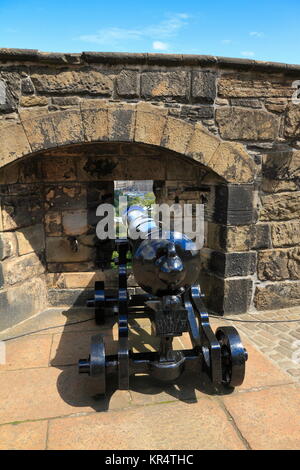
pixel 221 355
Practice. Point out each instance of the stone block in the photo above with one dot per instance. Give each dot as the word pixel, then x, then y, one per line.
pixel 59 250
pixel 75 222
pixel 53 224
pixel 247 103
pixel 202 145
pixel 233 85
pixel 177 134
pixel 27 87
pixel 58 169
pixel 95 120
pixel 246 124
pixel 7 102
pixel 232 264
pixel 145 168
pixel 95 168
pixel 276 105
pixel 281 171
pixel 23 210
pixel 39 131
pixel 68 127
pixel 21 302
pixel 74 280
pixel 73 81
pixel 33 100
pixel 31 239
pixel 203 86
pixel 165 85
pixel 127 84
pixel 233 204
pixel 195 113
pixel 277 295
pixel 280 206
pixel 292 121
pixel 21 268
pixel 69 297
pixel 277 265
pixel 121 122
pixel 179 169
pixel 232 163
pixel 13 143
pixel 65 197
pixel 285 233
pixel 8 245
pixel 150 123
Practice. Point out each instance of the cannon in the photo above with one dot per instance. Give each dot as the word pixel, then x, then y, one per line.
pixel 166 266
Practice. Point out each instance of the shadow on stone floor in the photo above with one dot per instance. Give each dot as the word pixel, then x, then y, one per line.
pixel 80 390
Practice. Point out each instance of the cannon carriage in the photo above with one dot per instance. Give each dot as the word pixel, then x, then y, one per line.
pixel 166 266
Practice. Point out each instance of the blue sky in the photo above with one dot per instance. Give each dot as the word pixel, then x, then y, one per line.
pixel 263 30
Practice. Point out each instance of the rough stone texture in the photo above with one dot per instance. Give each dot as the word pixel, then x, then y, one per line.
pixel 33 101
pixel 286 233
pixel 7 102
pixel 59 249
pixel 281 206
pixel 8 245
pixel 127 84
pixel 13 141
pixel 281 171
pixel 31 239
pixel 246 86
pixel 81 81
pixel 157 85
pixel 246 124
pixel 277 295
pixel 292 121
pixel 203 87
pixel 23 267
pixel 277 265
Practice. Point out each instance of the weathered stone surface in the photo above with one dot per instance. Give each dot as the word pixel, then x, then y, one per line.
pixel 19 302
pixel 21 268
pixel 280 206
pixel 178 169
pixel 64 197
pixel 203 86
pixel 246 124
pixel 53 223
pixel 233 204
pixel 292 121
pixel 150 123
pixel 74 81
pixel 195 113
pixel 27 87
pixel 121 122
pixel 238 238
pixel 277 295
pixel 101 168
pixel 231 264
pixel 95 120
pixel 9 174
pixel 74 280
pixel 75 222
pixel 59 169
pixel 232 163
pixel 145 168
pixel 34 101
pixel 246 102
pixel 58 250
pixel 202 145
pixel 68 127
pixel 281 171
pixel 277 265
pixel 285 233
pixel 39 131
pixel 22 211
pixel 65 101
pixel 276 105
pixel 177 134
pixel 127 84
pixel 13 143
pixel 7 102
pixel 31 239
pixel 69 297
pixel 234 85
pixel 172 85
pixel 8 245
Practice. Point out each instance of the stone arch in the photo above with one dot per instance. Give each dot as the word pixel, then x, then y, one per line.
pixel 104 121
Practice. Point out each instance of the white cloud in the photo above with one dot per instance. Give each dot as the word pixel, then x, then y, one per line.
pixel 256 34
pixel 160 46
pixel 248 53
pixel 226 41
pixel 165 29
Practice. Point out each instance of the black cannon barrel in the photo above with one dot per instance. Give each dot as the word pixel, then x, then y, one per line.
pixel 164 262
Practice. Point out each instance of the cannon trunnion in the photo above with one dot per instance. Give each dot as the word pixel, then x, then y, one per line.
pixel 173 307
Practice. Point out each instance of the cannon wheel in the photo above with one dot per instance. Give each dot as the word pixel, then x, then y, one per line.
pixel 233 356
pixel 97 361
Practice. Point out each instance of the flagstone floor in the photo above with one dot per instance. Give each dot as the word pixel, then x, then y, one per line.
pixel 46 404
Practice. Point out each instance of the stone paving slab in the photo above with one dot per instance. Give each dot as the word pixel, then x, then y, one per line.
pixel 205 426
pixel 24 436
pixel 268 419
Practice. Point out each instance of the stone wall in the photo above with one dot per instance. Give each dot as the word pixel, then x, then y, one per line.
pixel 228 124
